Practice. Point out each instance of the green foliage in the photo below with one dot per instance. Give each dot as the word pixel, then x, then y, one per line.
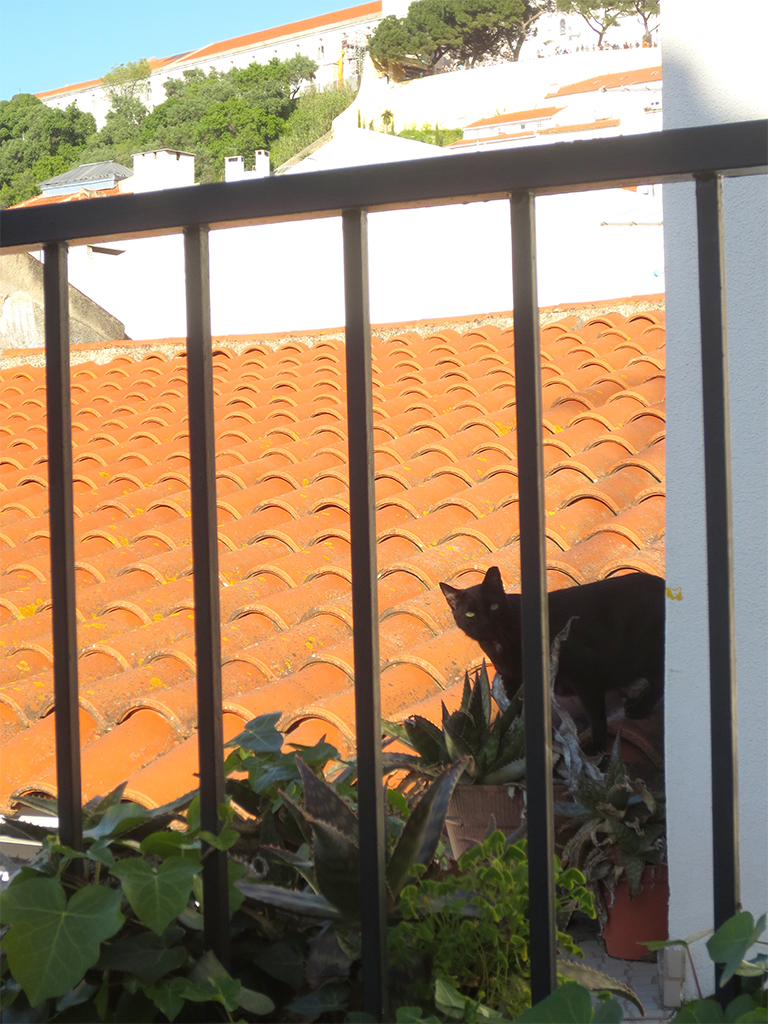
pixel 211 116
pixel 464 30
pixel 433 134
pixel 621 827
pixel 37 142
pixel 493 744
pixel 601 16
pixel 472 927
pixel 311 119
pixel 728 946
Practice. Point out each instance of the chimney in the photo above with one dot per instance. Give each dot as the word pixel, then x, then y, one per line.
pixel 162 168
pixel 261 163
pixel 234 167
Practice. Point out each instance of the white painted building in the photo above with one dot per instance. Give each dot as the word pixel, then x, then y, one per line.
pixel 714 71
pixel 335 41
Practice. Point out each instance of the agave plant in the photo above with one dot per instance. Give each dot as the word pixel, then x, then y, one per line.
pixel 620 827
pixel 331 826
pixel 492 746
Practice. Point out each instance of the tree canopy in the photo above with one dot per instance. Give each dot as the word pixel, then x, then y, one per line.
pixel 601 15
pixel 467 31
pixel 211 116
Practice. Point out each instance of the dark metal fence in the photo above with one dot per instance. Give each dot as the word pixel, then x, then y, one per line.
pixel 704 155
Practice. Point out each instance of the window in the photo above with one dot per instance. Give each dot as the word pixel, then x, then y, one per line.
pixel 562 26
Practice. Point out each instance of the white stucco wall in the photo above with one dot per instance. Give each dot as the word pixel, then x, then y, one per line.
pixel 715 71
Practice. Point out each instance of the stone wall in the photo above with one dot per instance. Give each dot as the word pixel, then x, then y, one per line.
pixel 22 322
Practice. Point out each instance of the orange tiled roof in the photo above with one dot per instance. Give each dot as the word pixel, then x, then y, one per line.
pixel 155 64
pixel 68 197
pixel 489 140
pixel 613 81
pixel 446 470
pixel 604 122
pixel 517 115
pixel 358 12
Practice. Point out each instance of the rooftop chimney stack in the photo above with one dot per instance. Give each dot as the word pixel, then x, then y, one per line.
pixel 234 167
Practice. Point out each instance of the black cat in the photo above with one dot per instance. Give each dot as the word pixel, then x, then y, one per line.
pixel 615 641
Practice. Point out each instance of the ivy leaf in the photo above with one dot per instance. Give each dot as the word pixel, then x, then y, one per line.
pixel 144 955
pixel 254 1002
pixel 223 841
pixel 117 818
pixel 731 941
pixel 609 1012
pixel 156 895
pixel 329 998
pixel 569 1004
pixel 165 998
pixel 52 943
pixel 260 735
pixel 169 844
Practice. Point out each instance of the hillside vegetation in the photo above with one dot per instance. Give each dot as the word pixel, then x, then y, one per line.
pixel 211 116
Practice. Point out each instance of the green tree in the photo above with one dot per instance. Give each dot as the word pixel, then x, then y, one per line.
pixel 128 81
pixel 466 30
pixel 37 142
pixel 600 16
pixel 312 118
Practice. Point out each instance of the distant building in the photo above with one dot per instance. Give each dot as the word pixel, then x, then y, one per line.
pixel 105 174
pixel 336 42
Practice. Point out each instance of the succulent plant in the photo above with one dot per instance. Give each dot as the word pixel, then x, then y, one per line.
pixel 620 827
pixel 331 826
pixel 493 745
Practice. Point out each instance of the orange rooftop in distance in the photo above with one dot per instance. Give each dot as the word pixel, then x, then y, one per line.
pixel 446 489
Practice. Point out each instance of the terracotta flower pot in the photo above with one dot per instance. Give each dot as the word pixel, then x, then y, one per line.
pixel 642 919
pixel 471 809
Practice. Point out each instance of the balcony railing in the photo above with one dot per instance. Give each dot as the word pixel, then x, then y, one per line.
pixel 705 155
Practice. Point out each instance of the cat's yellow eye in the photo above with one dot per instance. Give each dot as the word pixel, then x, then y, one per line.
pixel 470 615
pixel 494 607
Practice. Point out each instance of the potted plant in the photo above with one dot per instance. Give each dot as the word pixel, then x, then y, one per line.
pixel 620 845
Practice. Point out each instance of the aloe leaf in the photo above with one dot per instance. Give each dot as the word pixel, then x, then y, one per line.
pixel 324 804
pixel 421 834
pixel 480 707
pixel 394 729
pixel 337 866
pixel 598 981
pixel 466 693
pixel 308 904
pixel 512 772
pixel 426 739
pixel 455 742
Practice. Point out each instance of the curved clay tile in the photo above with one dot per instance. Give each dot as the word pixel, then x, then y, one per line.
pixel 619 489
pixel 568 525
pixel 642 524
pixel 586 562
pixel 29 756
pixel 651 459
pixel 649 559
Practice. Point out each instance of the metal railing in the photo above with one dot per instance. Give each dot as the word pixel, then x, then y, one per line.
pixel 704 155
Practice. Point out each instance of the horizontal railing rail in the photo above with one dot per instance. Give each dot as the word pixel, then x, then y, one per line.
pixel 704 155
pixel 659 157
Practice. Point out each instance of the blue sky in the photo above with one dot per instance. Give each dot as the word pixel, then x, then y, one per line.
pixel 45 44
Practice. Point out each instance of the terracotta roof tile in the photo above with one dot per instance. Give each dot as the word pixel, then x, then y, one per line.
pixel 446 492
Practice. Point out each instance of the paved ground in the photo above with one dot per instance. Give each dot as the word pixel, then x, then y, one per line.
pixel 641 976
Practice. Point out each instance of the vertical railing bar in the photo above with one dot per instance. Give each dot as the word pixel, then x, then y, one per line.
pixel 365 613
pixel 719 530
pixel 202 458
pixel 535 612
pixel 62 542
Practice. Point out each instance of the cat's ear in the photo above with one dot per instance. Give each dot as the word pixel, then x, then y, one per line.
pixel 492 580
pixel 450 593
